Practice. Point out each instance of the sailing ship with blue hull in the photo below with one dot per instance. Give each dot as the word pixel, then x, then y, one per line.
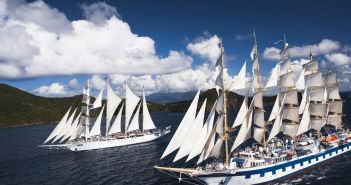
pixel 76 133
pixel 298 135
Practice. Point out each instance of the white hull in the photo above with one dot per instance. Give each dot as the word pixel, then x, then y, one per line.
pixel 275 172
pixel 107 142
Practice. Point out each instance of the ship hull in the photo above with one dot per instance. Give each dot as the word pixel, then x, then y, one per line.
pixel 107 142
pixel 277 172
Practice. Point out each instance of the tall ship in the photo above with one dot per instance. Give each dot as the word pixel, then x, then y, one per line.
pixel 298 135
pixel 76 133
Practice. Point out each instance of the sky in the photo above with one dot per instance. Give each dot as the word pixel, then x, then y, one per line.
pixel 51 48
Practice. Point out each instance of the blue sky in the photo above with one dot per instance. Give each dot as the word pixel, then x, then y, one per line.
pixel 172 26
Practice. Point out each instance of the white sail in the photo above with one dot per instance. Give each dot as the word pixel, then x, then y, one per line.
pixel 241 114
pixel 219 125
pixel 183 128
pixel 112 103
pixel 335 120
pixel 273 79
pixel 244 131
pixel 69 126
pixel 66 127
pixel 216 151
pixel 303 102
pixel 98 101
pixel 275 109
pixel 59 127
pixel 317 95
pixel 206 152
pixel 258 101
pixel 117 124
pixel 331 79
pixel 218 82
pixel 277 123
pixel 193 134
pixel 318 109
pixel 204 135
pixel 131 102
pixel 73 128
pixel 134 124
pixel 335 107
pixel 315 80
pixel 317 124
pixel 240 80
pixel 96 129
pixel 291 113
pixel 300 83
pixel 286 80
pixel 284 67
pixel 333 93
pixel 258 118
pixel 148 124
pixel 291 97
pixel 220 103
pixel 305 120
pixel 258 134
pixel 311 67
pixel 290 129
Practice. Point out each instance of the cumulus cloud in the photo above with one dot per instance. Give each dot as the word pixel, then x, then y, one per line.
pixel 339 59
pixel 324 47
pixel 54 89
pixel 97 82
pixel 206 48
pixel 36 47
pixel 74 84
pixel 99 12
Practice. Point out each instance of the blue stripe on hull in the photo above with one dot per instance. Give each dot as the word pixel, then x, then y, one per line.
pixel 283 166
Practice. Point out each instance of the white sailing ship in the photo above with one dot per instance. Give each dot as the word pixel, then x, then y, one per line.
pixel 302 135
pixel 78 134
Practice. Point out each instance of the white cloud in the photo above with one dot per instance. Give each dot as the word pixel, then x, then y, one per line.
pixel 207 49
pixel 99 12
pixel 97 82
pixel 54 89
pixel 73 84
pixel 32 49
pixel 326 46
pixel 339 59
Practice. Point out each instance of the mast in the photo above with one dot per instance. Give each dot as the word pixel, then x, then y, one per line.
pixel 107 118
pixel 85 119
pixel 225 127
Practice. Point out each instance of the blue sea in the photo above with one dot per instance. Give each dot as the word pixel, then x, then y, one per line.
pixel 22 162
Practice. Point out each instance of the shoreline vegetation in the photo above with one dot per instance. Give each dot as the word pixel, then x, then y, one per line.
pixel 20 108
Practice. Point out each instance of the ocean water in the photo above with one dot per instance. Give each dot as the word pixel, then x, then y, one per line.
pixel 22 162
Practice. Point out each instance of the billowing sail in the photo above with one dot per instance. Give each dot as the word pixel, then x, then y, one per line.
pixel 131 102
pixel 305 120
pixel 96 129
pixel 240 80
pixel 117 124
pixel 333 93
pixel 70 126
pixel 216 151
pixel 59 126
pixel 303 102
pixel 275 109
pixel 112 103
pixel 183 128
pixel 73 128
pixel 204 135
pixel 273 79
pixel 98 101
pixel 134 124
pixel 241 114
pixel 148 124
pixel 244 131
pixel 66 127
pixel 193 134
pixel 277 123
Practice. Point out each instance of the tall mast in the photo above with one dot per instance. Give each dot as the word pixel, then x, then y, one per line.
pixel 84 120
pixel 225 128
pixel 107 119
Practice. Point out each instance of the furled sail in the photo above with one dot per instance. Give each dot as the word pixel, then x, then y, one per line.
pixel 241 114
pixel 112 103
pixel 148 124
pixel 59 126
pixel 134 124
pixel 96 129
pixel 98 101
pixel 183 128
pixel 131 102
pixel 193 134
pixel 204 135
pixel 117 124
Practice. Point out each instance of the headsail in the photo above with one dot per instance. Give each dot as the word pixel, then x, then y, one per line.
pixel 112 103
pixel 117 124
pixel 58 127
pixel 148 124
pixel 96 129
pixel 131 102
